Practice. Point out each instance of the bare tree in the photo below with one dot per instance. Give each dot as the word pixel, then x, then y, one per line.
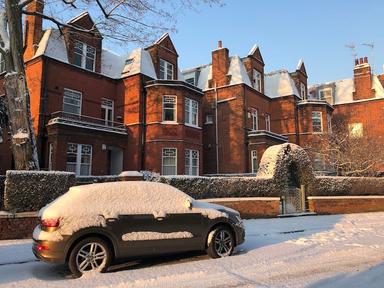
pixel 119 20
pixel 350 152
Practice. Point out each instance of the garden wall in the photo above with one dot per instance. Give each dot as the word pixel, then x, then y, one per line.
pixel 17 226
pixel 2 184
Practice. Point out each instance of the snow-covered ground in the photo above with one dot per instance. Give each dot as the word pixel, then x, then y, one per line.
pixel 313 251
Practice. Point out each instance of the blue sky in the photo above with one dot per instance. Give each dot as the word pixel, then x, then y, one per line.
pixel 286 30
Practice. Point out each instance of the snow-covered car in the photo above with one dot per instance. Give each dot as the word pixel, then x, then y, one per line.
pixel 90 226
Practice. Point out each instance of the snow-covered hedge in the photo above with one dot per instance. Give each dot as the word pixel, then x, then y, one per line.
pixel 31 190
pixel 2 179
pixel 346 186
pixel 82 180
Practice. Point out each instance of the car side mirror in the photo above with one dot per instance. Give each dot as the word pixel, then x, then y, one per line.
pixel 188 203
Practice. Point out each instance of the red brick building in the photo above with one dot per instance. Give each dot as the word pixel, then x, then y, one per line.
pixel 96 112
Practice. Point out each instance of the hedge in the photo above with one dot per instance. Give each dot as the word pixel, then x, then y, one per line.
pixel 83 180
pixel 31 190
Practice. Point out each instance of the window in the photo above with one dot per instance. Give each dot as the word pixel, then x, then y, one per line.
pixel 72 101
pixel 329 123
pixel 191 162
pixel 267 122
pixel 257 80
pixel 254 163
pixel 107 111
pixel 355 130
pixel 208 119
pixel 191 112
pixel 166 70
pixel 317 122
pixel 255 124
pixel 302 91
pixel 84 56
pixel 325 94
pixel 79 159
pixel 190 81
pixel 169 161
pixel 169 108
pixel 50 154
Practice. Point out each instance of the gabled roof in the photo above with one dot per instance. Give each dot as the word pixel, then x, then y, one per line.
pixel 279 83
pixel 301 67
pixel 255 53
pixel 165 41
pixel 237 72
pixel 84 20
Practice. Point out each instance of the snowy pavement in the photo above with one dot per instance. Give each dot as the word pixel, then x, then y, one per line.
pixel 312 251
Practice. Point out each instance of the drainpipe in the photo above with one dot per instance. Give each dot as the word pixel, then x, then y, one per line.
pixel 217 131
pixel 143 122
pixel 43 103
pixel 246 140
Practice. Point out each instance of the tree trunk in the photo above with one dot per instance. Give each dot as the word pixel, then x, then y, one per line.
pixel 22 133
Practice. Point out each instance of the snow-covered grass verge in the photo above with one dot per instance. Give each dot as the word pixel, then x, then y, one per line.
pixel 343 251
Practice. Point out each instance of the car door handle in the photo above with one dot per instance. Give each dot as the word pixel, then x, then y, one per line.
pixel 160 218
pixel 111 220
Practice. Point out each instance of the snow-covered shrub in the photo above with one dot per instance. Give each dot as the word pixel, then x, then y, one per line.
pixel 2 179
pixel 31 190
pixel 346 186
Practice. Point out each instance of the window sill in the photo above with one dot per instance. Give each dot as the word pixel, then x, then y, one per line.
pixel 192 126
pixel 169 123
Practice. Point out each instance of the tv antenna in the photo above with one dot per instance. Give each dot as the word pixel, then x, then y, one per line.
pixel 352 47
pixel 372 47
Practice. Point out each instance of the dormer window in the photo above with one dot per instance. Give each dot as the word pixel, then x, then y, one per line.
pixel 325 94
pixel 303 91
pixel 166 70
pixel 85 56
pixel 257 80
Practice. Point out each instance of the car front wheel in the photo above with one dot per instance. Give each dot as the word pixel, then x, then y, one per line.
pixel 221 242
pixel 89 255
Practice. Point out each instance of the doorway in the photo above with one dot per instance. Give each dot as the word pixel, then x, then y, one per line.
pixel 115 160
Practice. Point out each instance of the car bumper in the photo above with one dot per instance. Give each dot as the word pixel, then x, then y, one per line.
pixel 53 252
pixel 240 234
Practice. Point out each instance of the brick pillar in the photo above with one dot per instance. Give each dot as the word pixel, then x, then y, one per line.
pixel 33 29
pixel 362 80
pixel 220 66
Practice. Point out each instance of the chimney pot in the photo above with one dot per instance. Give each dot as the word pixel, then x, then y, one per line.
pixel 220 44
pixel 365 59
pixel 356 62
pixel 361 61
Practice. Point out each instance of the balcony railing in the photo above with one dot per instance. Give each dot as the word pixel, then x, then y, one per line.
pixel 61 117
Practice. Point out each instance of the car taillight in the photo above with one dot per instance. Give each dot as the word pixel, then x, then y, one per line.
pixel 40 247
pixel 49 223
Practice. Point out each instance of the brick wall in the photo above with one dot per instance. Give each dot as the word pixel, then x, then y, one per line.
pixel 345 204
pixel 17 226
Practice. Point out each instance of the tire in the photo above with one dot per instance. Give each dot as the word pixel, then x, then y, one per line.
pixel 82 258
pixel 220 242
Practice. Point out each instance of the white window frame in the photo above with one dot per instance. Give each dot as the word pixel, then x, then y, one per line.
pixel 208 119
pixel 315 115
pixel 174 109
pixel 255 119
pixel 78 159
pixel 267 122
pixel 254 157
pixel 165 67
pixel 257 83
pixel 80 101
pixel 193 112
pixel 162 160
pixel 303 91
pixel 189 154
pixel 356 130
pixel 84 55
pixel 105 104
pixel 321 91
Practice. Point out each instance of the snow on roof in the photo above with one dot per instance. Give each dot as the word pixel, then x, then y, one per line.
pixel 237 72
pixel 279 83
pixel 139 61
pixel 344 89
pixel 52 45
pixel 299 64
pixel 253 49
pixel 204 77
pixel 162 37
pixel 81 15
pixel 112 64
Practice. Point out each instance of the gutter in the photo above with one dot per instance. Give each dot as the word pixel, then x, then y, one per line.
pixel 143 122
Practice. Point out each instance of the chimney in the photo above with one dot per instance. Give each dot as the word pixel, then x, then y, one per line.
pixel 362 76
pixel 220 66
pixel 33 28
